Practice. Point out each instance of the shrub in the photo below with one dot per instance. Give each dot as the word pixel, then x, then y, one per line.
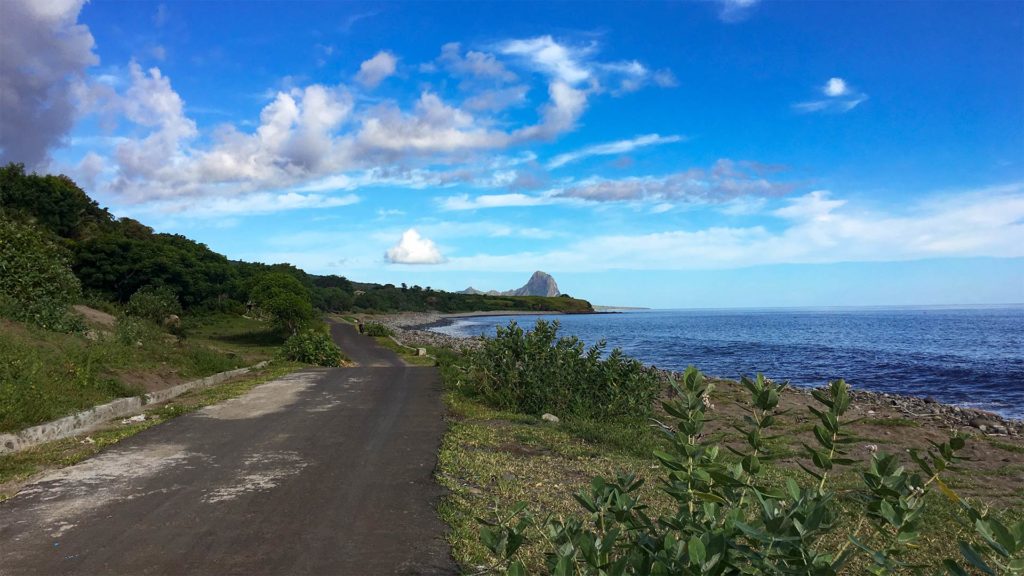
pixel 154 303
pixel 728 520
pixel 312 346
pixel 536 371
pixel 285 299
pixel 376 329
pixel 36 282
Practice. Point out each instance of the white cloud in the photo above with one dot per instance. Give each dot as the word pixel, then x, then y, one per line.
pixel 414 249
pixel 255 203
pixel 610 148
pixel 724 181
pixel 473 63
pixel 44 54
pixel 735 10
pixel 815 229
pixel 320 137
pixel 465 202
pixel 552 58
pixel 840 97
pixel 373 71
pixel 835 87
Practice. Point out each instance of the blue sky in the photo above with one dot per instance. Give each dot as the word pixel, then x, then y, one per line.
pixel 678 154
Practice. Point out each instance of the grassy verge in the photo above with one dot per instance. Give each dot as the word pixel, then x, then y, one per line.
pixel 490 460
pixel 18 467
pixel 405 353
pixel 46 375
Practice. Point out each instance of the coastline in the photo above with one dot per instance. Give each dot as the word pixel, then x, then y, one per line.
pixel 416 328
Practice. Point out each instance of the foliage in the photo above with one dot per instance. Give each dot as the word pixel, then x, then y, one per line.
pixel 55 203
pixel 285 299
pixel 154 303
pixel 312 346
pixel 726 519
pixel 536 371
pixel 36 284
pixel 376 329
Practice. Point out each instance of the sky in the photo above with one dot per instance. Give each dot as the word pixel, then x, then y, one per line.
pixel 734 153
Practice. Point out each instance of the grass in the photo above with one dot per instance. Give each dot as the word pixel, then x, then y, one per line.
pixel 47 375
pixel 408 355
pixel 20 466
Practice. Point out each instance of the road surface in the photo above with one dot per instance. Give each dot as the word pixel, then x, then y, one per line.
pixel 325 471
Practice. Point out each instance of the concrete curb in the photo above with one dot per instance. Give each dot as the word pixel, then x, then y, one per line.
pixel 89 419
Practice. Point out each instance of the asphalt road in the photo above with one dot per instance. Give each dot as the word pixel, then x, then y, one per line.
pixel 325 471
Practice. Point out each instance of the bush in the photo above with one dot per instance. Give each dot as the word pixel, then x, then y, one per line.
pixel 312 347
pixel 285 299
pixel 36 282
pixel 727 520
pixel 377 329
pixel 536 371
pixel 154 303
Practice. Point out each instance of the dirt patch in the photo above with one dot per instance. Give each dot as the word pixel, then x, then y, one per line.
pixel 993 465
pixel 149 381
pixel 94 317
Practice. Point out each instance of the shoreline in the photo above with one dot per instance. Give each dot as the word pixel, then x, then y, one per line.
pixel 417 326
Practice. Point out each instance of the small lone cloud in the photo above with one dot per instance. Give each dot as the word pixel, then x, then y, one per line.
pixel 735 10
pixel 840 97
pixel 414 249
pixel 373 71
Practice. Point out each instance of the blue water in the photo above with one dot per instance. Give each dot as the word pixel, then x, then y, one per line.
pixel 967 356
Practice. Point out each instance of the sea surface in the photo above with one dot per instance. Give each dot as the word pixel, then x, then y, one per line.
pixel 966 356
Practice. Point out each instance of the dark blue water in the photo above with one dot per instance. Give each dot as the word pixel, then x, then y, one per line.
pixel 966 356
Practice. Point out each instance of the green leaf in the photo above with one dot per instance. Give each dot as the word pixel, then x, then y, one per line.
pixel 516 568
pixel 696 551
pixel 975 559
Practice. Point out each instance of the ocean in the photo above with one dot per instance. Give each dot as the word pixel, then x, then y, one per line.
pixel 970 356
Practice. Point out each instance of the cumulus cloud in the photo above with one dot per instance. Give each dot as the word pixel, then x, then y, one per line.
pixel 612 148
pixel 726 180
pixel 373 71
pixel 414 249
pixel 44 53
pixel 322 136
pixel 839 98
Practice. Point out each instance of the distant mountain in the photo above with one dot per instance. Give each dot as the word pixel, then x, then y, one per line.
pixel 540 284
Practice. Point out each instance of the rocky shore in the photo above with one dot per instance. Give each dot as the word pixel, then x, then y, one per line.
pixel 413 329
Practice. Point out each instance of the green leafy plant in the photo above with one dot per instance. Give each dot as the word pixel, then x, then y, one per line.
pixel 376 329
pixel 536 371
pixel 285 299
pixel 312 346
pixel 728 519
pixel 154 303
pixel 36 282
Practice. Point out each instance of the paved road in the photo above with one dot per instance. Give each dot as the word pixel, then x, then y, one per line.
pixel 325 471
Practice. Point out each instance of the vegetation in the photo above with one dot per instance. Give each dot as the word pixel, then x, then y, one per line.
pixel 36 283
pixel 153 303
pixel 536 371
pixel 726 519
pixel 719 494
pixel 46 375
pixel 312 346
pixel 376 329
pixel 285 299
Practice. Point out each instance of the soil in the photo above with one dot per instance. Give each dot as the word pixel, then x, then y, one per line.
pixel 94 317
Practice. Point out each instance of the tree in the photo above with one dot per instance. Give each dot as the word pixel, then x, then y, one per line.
pixel 36 283
pixel 285 299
